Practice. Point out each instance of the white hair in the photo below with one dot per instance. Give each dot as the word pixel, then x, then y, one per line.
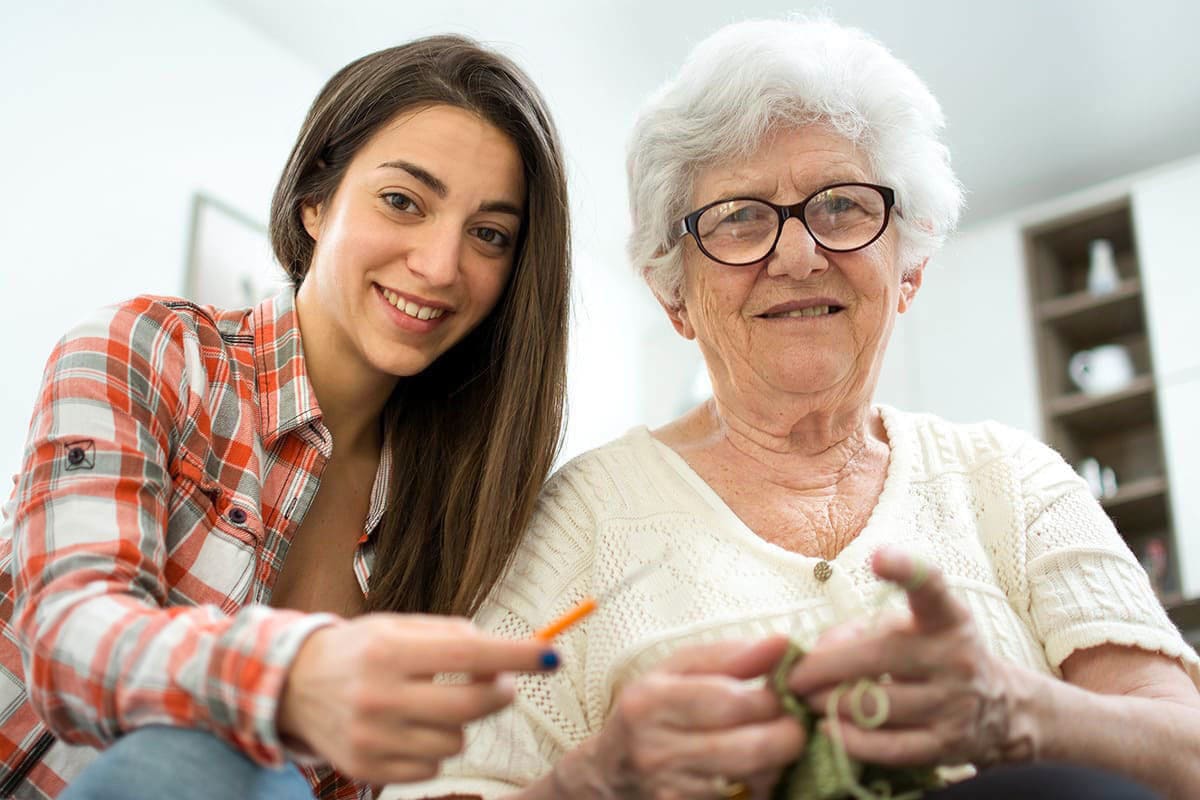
pixel 751 78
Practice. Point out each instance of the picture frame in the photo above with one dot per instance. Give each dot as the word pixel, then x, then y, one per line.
pixel 230 263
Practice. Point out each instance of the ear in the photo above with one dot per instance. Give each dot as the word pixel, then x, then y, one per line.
pixel 311 216
pixel 676 311
pixel 910 282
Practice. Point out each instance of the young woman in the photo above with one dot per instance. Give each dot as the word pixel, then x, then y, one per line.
pixel 229 523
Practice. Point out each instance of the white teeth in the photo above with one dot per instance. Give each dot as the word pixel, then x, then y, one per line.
pixel 812 311
pixel 412 309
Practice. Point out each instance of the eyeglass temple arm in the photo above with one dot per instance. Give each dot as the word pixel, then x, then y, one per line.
pixel 679 231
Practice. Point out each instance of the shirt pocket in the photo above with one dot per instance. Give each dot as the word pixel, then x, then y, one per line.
pixel 217 572
pixel 212 542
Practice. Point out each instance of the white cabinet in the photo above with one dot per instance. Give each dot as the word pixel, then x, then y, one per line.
pixel 1166 215
pixel 1166 212
pixel 1179 408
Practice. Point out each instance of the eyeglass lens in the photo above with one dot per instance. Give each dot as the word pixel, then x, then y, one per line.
pixel 839 218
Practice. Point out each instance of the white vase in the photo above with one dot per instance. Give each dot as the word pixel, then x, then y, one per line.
pixel 1102 277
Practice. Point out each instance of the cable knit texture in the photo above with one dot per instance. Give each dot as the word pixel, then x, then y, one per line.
pixel 1019 538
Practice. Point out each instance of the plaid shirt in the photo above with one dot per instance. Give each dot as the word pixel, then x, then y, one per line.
pixel 174 450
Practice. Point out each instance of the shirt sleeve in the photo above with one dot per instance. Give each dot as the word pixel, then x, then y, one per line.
pixel 552 571
pixel 104 649
pixel 1085 586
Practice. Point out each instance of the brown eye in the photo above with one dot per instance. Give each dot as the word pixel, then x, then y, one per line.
pixel 401 202
pixel 492 237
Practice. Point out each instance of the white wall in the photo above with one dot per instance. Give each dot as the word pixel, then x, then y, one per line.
pixel 966 351
pixel 111 116
pixel 120 112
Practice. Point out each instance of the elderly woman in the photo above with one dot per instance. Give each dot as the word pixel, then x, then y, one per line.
pixel 788 189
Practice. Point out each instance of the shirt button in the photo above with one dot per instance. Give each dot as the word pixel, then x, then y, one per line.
pixel 75 455
pixel 237 516
pixel 822 571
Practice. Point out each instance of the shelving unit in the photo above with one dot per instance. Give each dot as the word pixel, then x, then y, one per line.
pixel 1120 429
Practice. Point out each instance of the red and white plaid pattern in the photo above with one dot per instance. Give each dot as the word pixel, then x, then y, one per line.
pixel 174 450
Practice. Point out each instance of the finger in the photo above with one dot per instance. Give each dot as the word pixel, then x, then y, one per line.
pixel 847 631
pixel 452 704
pixel 906 704
pixel 702 702
pixel 463 648
pixel 430 742
pixel 744 750
pixel 391 770
pixel 737 659
pixel 901 655
pixel 763 782
pixel 934 608
pixel 908 747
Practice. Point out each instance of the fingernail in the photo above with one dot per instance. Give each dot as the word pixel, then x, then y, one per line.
pixel 549 660
pixel 842 633
pixel 506 683
pixel 837 636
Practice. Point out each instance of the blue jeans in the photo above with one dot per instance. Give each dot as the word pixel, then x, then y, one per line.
pixel 1044 781
pixel 158 762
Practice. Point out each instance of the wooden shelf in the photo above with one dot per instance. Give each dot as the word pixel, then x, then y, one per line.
pixel 1186 616
pixel 1096 413
pixel 1138 505
pixel 1087 318
pixel 1119 430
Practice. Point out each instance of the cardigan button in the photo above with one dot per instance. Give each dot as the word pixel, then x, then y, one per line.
pixel 822 571
pixel 237 516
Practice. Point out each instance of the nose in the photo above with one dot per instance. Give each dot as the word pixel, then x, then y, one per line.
pixel 797 254
pixel 436 254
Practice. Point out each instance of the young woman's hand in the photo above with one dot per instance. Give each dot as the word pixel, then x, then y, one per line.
pixel 361 694
pixel 692 728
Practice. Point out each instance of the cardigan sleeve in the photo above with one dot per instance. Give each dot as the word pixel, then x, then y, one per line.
pixel 1086 587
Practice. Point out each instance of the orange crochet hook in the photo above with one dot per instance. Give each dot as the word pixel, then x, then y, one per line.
pixel 589 604
pixel 573 615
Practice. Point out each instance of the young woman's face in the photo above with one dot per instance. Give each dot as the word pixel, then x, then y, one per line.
pixel 417 243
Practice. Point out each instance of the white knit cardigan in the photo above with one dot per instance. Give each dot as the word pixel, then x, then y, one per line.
pixel 1016 532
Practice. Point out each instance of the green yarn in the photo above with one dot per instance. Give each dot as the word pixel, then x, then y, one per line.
pixel 824 771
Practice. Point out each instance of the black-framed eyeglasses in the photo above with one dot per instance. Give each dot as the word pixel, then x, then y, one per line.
pixel 739 231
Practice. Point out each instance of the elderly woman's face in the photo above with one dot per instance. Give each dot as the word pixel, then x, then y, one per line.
pixel 804 320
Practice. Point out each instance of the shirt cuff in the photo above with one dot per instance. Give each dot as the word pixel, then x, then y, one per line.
pixel 248 677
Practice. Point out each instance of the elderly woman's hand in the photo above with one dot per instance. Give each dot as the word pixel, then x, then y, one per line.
pixel 693 728
pixel 950 700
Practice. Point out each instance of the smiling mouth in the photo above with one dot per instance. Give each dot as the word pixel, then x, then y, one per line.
pixel 811 311
pixel 410 308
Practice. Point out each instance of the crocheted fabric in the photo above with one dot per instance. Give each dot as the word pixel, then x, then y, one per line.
pixel 1012 527
pixel 824 771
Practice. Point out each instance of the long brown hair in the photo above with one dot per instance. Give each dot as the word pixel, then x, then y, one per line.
pixel 473 435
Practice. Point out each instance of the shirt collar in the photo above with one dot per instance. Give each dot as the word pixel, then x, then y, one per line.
pixel 286 400
pixel 381 489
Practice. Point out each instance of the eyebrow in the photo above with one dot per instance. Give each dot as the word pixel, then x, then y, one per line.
pixel 439 188
pixel 501 207
pixel 420 173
